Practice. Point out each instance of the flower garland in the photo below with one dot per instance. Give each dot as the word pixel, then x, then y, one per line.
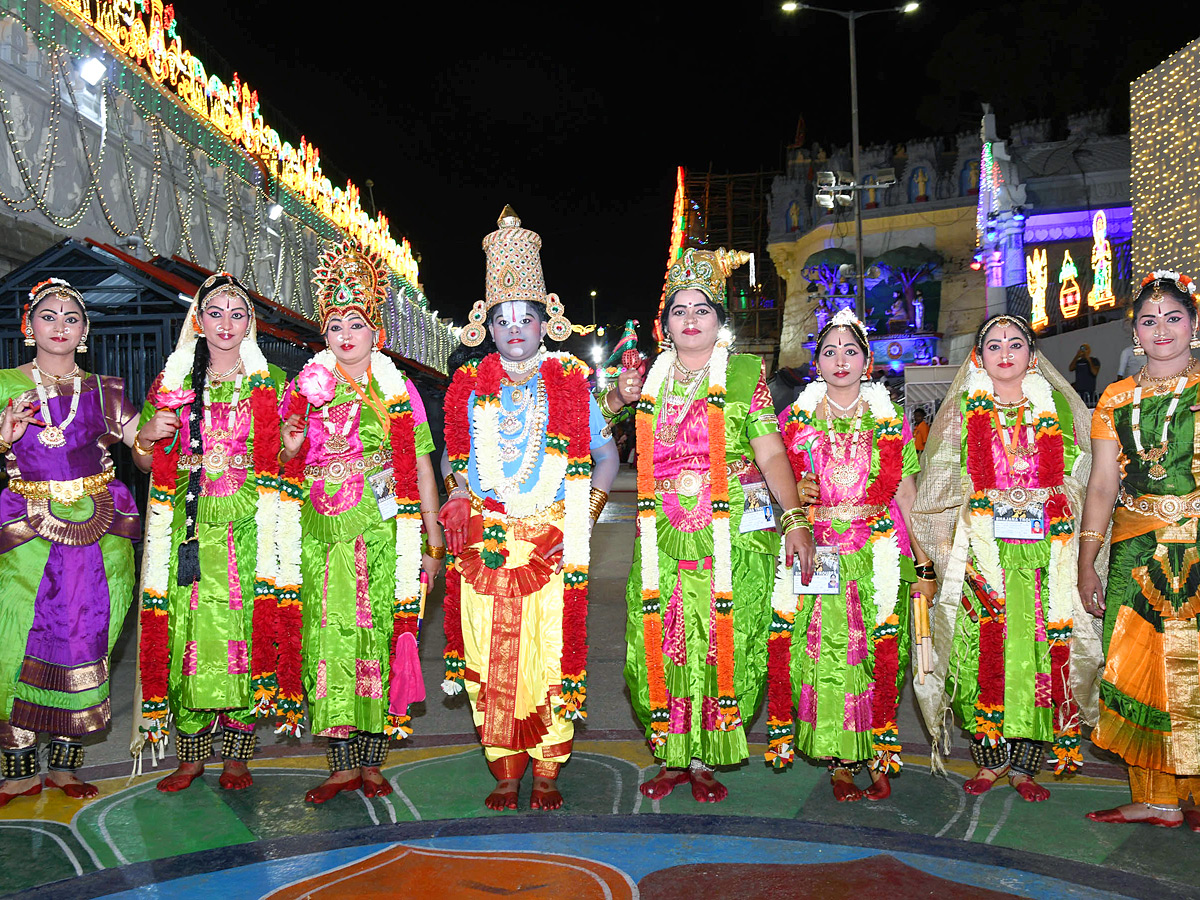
pixel 567 458
pixel 169 392
pixel 1048 442
pixel 722 589
pixel 402 441
pixel 885 557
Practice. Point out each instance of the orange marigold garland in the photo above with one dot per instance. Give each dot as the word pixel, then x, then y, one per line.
pixel 722 578
pixel 264 685
pixel 458 449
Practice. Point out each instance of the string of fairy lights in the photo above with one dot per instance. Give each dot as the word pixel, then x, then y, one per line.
pixel 215 216
pixel 1165 163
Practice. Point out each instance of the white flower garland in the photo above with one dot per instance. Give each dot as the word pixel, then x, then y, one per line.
pixel 1063 552
pixel 157 563
pixel 718 368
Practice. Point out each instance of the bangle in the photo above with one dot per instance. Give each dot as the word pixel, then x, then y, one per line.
pixel 451 483
pixel 925 571
pixel 5 446
pixel 1095 536
pixel 596 501
pixel 793 519
pixel 437 551
pixel 602 402
pixel 137 445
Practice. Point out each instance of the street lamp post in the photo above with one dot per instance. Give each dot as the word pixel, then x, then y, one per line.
pixel 851 16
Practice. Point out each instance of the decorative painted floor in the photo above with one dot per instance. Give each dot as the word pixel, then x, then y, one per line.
pixel 776 835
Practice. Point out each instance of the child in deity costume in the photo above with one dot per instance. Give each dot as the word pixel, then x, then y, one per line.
pixel 699 592
pixel 845 670
pixel 1014 657
pixel 528 466
pixel 1146 446
pixel 66 552
pixel 210 424
pixel 359 487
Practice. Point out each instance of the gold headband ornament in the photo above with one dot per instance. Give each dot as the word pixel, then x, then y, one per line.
pixel 49 288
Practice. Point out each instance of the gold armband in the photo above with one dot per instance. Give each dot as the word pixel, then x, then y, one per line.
pixel 437 552
pixel 450 482
pixel 596 501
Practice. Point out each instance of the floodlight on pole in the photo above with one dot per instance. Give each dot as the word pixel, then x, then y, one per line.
pixel 851 16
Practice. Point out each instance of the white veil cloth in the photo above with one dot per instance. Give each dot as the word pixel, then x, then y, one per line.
pixel 940 525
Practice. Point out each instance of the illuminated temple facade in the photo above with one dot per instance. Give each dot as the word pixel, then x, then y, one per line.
pixel 1038 224
pixel 152 154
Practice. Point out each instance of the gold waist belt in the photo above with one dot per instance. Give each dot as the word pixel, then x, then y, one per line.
pixel 62 491
pixel 690 483
pixel 341 469
pixel 1167 507
pixel 847 512
pixel 215 460
pixel 1020 497
pixel 548 515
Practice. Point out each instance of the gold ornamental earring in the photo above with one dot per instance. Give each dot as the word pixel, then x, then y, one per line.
pixel 1138 349
pixel 1195 342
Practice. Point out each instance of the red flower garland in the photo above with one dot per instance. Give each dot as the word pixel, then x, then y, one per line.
pixel 290 621
pixel 458 449
pixel 264 654
pixel 405 614
pixel 154 647
pixel 567 396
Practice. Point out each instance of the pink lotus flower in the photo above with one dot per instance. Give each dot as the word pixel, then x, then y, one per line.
pixel 175 399
pixel 316 383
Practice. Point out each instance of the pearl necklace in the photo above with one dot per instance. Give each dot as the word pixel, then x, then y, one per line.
pixel 1155 455
pixel 224 376
pixel 533 447
pixel 52 435
pixel 848 410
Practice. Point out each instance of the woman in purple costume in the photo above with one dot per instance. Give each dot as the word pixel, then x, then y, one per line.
pixel 66 552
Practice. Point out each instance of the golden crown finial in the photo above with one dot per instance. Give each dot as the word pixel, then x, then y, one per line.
pixel 508 218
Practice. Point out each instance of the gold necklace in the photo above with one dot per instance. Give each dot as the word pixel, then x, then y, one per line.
pixel 844 473
pixel 1165 384
pixel 57 379
pixel 222 376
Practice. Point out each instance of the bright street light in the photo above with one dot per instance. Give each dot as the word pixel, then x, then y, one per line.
pixel 851 16
pixel 597 353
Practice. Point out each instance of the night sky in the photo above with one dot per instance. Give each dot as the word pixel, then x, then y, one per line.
pixel 577 114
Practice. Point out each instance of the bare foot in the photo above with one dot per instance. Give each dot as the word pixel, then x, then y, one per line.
pixel 343 780
pixel 983 780
pixel 663 783
pixel 504 795
pixel 1134 813
pixel 235 776
pixel 881 786
pixel 182 778
pixel 374 784
pixel 844 788
pixel 24 787
pixel 706 788
pixel 545 794
pixel 1028 788
pixel 70 785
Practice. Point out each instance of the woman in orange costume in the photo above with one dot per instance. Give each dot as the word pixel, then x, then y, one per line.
pixel 1145 435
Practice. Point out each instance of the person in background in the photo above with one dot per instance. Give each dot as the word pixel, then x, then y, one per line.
pixel 920 429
